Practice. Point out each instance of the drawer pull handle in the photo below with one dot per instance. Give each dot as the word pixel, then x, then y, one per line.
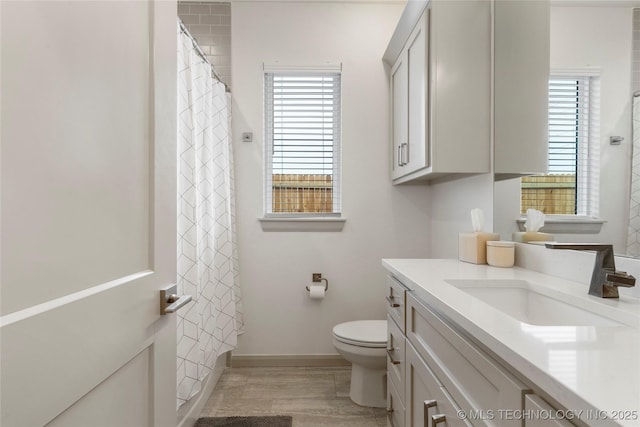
pixel 428 404
pixel 391 303
pixel 393 362
pixel 437 419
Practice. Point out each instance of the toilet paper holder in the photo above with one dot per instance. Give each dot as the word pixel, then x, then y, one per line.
pixel 316 278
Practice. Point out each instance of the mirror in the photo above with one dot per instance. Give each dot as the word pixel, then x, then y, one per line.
pixel 595 36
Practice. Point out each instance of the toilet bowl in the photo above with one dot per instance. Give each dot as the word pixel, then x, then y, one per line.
pixel 364 343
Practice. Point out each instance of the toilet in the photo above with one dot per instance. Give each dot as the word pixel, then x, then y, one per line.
pixel 364 344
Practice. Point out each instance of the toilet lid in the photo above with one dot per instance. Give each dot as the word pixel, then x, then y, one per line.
pixel 365 333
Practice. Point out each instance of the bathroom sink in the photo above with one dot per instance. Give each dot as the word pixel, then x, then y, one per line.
pixel 535 305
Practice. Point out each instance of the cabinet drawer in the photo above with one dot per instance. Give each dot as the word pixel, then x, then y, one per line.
pixel 426 397
pixel 395 407
pixel 396 300
pixel 473 378
pixel 539 411
pixel 395 356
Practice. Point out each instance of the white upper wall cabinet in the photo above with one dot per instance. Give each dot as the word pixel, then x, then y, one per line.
pixel 446 61
pixel 443 79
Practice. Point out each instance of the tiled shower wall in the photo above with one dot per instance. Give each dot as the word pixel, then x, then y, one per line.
pixel 210 24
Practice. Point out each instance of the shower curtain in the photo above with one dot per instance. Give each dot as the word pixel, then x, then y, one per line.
pixel 207 252
pixel 633 235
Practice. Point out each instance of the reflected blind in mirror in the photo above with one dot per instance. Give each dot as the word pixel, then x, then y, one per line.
pixel 568 188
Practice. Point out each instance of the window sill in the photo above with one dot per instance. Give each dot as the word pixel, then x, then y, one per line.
pixel 302 224
pixel 567 225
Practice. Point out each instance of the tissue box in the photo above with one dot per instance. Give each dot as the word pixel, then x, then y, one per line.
pixel 532 236
pixel 472 247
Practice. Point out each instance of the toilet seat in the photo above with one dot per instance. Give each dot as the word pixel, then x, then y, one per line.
pixel 362 333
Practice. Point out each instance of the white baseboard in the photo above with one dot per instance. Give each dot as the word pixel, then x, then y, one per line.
pixel 250 361
pixel 189 412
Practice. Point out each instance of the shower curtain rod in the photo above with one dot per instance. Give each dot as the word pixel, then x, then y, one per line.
pixel 201 54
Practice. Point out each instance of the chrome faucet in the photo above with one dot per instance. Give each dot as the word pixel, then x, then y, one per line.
pixel 605 280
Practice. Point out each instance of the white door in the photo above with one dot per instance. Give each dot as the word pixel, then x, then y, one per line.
pixel 88 228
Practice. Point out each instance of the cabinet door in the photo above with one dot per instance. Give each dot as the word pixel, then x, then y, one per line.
pixel 395 408
pixel 396 302
pixel 426 400
pixel 417 156
pixel 399 120
pixel 395 356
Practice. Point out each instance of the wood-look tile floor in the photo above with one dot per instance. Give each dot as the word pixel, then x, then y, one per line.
pixel 314 397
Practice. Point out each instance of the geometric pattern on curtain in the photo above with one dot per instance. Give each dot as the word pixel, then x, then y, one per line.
pixel 207 252
pixel 633 237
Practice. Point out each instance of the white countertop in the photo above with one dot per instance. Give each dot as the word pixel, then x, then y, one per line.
pixel 585 368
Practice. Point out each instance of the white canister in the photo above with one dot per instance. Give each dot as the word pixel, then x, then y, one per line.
pixel 500 253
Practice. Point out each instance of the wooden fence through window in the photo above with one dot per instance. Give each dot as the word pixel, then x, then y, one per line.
pixel 551 194
pixel 302 193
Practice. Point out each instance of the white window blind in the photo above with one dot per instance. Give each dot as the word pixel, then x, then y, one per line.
pixel 570 187
pixel 568 124
pixel 302 118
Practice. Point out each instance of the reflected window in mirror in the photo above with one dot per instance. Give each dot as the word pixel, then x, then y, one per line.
pixel 571 185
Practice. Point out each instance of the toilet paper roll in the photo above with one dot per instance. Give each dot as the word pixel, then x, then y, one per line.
pixel 316 291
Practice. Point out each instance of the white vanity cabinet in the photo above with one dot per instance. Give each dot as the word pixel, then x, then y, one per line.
pixel 468 348
pixel 440 90
pixel 438 376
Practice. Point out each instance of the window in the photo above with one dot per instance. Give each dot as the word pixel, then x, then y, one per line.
pixel 302 142
pixel 570 186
